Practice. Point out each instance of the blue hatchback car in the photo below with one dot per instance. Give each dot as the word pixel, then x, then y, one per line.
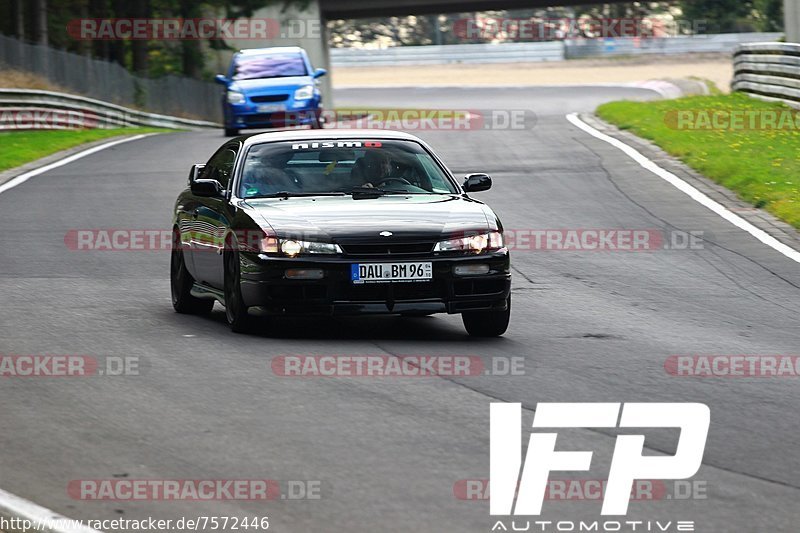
pixel 271 88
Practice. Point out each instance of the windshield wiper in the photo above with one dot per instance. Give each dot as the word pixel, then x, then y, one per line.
pixel 287 194
pixel 367 191
pixel 273 77
pixel 374 192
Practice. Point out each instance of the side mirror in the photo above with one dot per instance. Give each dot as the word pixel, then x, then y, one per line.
pixel 207 188
pixel 222 80
pixel 320 72
pixel 477 183
pixel 195 172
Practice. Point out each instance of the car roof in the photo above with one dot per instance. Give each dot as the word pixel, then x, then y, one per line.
pixel 270 50
pixel 328 134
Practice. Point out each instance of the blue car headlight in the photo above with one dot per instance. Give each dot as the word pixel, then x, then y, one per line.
pixel 235 97
pixel 304 93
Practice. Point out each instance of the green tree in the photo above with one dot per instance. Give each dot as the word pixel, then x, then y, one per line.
pixel 730 16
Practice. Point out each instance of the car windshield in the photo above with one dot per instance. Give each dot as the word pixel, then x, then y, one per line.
pixel 252 67
pixel 341 167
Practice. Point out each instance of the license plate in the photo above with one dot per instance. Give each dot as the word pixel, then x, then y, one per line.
pixel 389 272
pixel 270 108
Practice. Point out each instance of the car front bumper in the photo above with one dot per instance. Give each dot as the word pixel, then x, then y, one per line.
pixel 244 116
pixel 265 286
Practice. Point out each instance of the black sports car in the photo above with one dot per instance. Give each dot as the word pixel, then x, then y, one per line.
pixel 345 222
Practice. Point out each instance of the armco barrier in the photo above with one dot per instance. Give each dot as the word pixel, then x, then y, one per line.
pixel 542 51
pixel 724 43
pixel 111 82
pixel 33 109
pixel 768 70
pixel 451 53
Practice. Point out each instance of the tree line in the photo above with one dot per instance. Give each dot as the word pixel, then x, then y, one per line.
pixel 45 22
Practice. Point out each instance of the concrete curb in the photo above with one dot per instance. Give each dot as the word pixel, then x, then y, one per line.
pixel 759 218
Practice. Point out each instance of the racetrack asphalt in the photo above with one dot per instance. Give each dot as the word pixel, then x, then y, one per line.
pixel 591 327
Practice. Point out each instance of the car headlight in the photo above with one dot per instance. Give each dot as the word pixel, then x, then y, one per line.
pixel 235 97
pixel 304 93
pixel 294 247
pixel 476 244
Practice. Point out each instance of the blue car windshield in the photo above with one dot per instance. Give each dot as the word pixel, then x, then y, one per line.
pixel 269 66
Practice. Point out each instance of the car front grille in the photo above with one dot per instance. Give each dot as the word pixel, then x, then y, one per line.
pixel 267 98
pixel 388 249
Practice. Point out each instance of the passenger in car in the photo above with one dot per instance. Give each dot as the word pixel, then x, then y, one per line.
pixel 271 176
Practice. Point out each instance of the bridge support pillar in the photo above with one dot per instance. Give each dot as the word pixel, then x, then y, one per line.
pixel 791 10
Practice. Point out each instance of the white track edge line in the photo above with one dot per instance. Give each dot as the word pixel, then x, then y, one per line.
pixel 12 506
pixel 689 190
pixel 22 178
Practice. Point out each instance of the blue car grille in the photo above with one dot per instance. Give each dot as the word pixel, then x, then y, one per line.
pixel 266 98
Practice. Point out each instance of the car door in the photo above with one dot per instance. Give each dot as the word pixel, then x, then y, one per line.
pixel 211 218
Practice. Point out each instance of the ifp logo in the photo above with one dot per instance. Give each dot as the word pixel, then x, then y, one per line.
pixel 627 464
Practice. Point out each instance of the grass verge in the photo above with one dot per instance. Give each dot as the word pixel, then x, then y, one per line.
pixel 750 146
pixel 20 147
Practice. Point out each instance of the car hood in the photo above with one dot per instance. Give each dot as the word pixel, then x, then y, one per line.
pixel 266 85
pixel 342 219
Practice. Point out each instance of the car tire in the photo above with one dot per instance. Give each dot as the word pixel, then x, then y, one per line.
pixel 239 319
pixel 181 283
pixel 231 132
pixel 487 323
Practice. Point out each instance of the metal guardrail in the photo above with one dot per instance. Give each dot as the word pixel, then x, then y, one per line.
pixel 111 82
pixel 33 109
pixel 768 70
pixel 452 53
pixel 724 43
pixel 542 51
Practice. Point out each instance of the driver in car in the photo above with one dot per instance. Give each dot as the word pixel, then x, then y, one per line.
pixel 374 168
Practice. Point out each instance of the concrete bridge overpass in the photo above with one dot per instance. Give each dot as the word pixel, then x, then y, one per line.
pixel 318 11
pixel 347 9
